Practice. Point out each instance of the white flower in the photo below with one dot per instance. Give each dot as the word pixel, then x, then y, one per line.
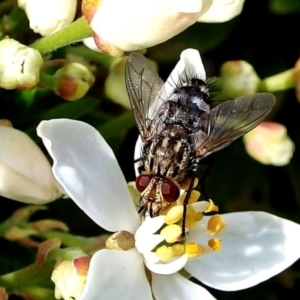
pixel 256 245
pixel 132 25
pixel 222 11
pixel 47 16
pixel 19 65
pixel 25 173
pixel 269 144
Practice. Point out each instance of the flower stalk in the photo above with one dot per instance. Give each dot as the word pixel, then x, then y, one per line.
pixel 75 32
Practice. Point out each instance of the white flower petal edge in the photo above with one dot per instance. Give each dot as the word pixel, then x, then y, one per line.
pixel 116 274
pixel 189 66
pixel 88 171
pixel 222 11
pixel 176 287
pixel 256 246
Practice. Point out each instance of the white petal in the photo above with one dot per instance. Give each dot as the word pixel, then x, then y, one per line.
pixel 189 66
pixel 256 246
pixel 147 243
pixel 222 11
pixel 167 268
pixel 149 226
pixel 116 274
pixel 176 287
pixel 87 169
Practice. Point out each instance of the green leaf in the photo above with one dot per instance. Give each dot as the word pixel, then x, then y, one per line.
pixel 284 7
pixel 115 130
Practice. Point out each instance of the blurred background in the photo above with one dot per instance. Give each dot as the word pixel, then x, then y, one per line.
pixel 266 35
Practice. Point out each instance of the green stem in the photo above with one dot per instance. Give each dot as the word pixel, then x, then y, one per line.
pixel 278 82
pixel 75 32
pixel 29 276
pixel 69 240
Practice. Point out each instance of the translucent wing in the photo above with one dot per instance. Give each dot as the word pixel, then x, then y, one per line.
pixel 230 120
pixel 145 90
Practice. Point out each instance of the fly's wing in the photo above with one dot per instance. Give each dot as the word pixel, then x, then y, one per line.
pixel 230 120
pixel 145 91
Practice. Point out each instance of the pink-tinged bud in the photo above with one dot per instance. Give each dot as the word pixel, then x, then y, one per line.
pixel 25 173
pixel 122 26
pixel 3 294
pixel 19 65
pixel 69 277
pixel 269 144
pixel 47 16
pixel 296 77
pixel 238 78
pixel 72 81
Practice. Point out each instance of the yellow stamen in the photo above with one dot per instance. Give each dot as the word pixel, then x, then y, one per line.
pixel 215 244
pixel 178 249
pixel 212 207
pixel 174 214
pixel 215 224
pixel 193 197
pixel 164 253
pixel 192 217
pixel 193 250
pixel 171 233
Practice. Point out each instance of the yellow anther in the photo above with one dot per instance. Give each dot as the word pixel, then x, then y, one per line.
pixel 192 217
pixel 193 197
pixel 211 207
pixel 171 233
pixel 174 214
pixel 186 184
pixel 215 224
pixel 215 244
pixel 178 249
pixel 164 253
pixel 193 250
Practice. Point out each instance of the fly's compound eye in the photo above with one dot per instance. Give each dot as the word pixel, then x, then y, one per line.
pixel 170 191
pixel 142 181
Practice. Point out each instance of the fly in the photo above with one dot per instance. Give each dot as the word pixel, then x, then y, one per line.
pixel 179 127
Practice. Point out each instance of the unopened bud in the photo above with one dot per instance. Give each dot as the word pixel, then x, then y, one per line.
pixel 47 16
pixel 72 81
pixel 269 144
pixel 19 65
pixel 69 277
pixel 239 78
pixel 25 173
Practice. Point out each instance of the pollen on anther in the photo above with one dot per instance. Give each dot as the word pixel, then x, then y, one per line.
pixel 174 214
pixel 215 244
pixel 171 233
pixel 178 249
pixel 215 224
pixel 193 250
pixel 164 253
pixel 193 197
pixel 192 217
pixel 211 207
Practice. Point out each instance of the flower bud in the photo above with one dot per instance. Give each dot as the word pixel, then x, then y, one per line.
pixel 72 81
pixel 269 144
pixel 47 16
pixel 132 25
pixel 239 78
pixel 19 65
pixel 296 77
pixel 69 277
pixel 25 173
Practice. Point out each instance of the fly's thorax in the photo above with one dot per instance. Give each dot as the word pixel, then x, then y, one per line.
pixel 168 157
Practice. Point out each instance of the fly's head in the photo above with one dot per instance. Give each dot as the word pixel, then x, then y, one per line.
pixel 156 193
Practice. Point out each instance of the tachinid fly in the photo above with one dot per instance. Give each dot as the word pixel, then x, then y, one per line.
pixel 178 125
